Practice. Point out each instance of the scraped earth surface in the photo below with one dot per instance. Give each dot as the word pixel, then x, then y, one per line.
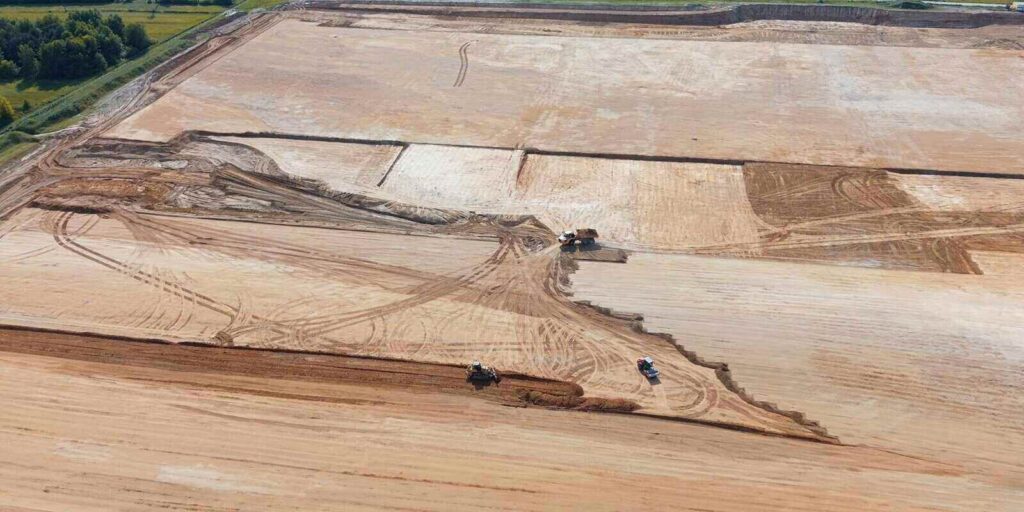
pixel 241 298
pixel 634 96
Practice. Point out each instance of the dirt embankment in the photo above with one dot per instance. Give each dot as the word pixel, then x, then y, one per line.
pixel 675 15
pixel 514 389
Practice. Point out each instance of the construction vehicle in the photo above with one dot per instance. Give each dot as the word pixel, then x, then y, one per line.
pixel 646 367
pixel 477 372
pixel 585 236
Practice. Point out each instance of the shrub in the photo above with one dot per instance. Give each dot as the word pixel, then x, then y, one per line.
pixel 8 70
pixel 6 112
pixel 136 39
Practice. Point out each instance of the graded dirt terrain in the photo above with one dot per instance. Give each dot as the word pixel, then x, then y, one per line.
pixel 927 364
pixel 629 96
pixel 322 290
pixel 92 436
pixel 345 167
pixel 253 278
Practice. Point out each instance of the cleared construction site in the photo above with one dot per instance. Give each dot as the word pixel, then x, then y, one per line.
pixel 255 276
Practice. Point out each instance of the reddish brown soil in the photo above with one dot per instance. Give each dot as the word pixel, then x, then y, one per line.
pixel 321 368
pixel 861 216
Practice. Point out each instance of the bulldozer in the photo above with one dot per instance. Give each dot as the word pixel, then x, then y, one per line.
pixel 477 372
pixel 585 236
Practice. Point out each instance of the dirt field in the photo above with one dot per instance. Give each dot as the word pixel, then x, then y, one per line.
pixel 346 167
pixel 334 291
pixel 544 91
pixel 253 279
pixel 896 360
pixel 452 177
pixel 90 436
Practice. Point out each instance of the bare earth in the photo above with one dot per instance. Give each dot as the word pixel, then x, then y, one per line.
pixel 629 96
pixel 140 438
pixel 253 281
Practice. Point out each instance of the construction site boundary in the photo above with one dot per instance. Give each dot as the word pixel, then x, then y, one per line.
pixel 681 15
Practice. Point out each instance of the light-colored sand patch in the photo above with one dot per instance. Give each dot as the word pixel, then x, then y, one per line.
pixel 200 477
pixel 639 204
pixel 922 363
pixel 454 177
pixel 342 166
pixel 766 101
pixel 1005 265
pixel 82 451
pixel 960 193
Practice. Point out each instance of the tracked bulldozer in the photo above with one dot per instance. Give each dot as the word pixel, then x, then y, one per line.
pixel 477 372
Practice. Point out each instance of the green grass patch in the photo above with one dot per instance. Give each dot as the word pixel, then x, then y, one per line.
pixel 161 22
pixel 37 92
pixel 15 144
pixel 249 5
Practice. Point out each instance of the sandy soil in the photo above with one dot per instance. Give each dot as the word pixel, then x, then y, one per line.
pixel 344 167
pixel 637 204
pixel 89 436
pixel 835 215
pixel 921 363
pixel 454 177
pixel 365 246
pixel 957 193
pixel 349 292
pixel 773 102
pixel 1005 265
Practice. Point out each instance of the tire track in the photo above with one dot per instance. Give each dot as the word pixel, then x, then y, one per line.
pixel 463 64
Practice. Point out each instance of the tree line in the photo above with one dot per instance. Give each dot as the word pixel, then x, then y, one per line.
pixel 82 44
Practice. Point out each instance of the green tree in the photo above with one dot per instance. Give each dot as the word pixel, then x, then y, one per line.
pixel 26 106
pixel 28 61
pixel 115 24
pixel 8 70
pixel 6 112
pixel 110 45
pixel 136 39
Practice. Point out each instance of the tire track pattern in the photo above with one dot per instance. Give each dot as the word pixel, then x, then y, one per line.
pixel 463 64
pixel 426 316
